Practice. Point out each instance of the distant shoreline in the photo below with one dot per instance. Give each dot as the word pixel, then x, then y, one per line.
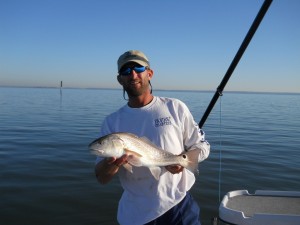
pixel 169 90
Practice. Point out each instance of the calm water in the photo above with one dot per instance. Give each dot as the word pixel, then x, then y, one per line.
pixel 46 171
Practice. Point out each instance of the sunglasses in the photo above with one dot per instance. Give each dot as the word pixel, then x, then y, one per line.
pixel 126 71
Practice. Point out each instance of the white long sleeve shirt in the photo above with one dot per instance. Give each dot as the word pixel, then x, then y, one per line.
pixel 169 124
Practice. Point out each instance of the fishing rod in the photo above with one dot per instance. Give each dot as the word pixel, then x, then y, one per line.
pixel 235 61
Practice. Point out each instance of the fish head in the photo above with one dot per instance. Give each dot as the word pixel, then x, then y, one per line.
pixel 107 146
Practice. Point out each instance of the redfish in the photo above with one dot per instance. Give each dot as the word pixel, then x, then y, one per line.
pixel 142 152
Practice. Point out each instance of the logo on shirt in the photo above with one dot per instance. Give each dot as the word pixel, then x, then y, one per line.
pixel 162 121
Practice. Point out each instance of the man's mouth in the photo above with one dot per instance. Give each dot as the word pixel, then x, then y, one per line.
pixel 134 82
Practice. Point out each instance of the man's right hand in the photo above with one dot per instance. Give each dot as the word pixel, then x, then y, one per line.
pixel 107 168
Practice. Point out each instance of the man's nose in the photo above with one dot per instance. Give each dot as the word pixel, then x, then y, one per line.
pixel 134 74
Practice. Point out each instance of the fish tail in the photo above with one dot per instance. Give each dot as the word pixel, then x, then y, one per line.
pixel 191 160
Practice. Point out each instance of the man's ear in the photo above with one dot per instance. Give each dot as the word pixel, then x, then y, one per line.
pixel 119 79
pixel 150 73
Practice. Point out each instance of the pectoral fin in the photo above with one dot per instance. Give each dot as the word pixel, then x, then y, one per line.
pixel 135 160
pixel 155 171
pixel 128 167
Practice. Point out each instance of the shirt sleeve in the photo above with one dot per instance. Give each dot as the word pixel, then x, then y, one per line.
pixel 194 137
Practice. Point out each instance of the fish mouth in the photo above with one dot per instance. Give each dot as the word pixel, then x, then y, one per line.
pixel 96 147
pixel 97 152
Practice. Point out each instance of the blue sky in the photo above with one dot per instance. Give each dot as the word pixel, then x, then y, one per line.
pixel 190 43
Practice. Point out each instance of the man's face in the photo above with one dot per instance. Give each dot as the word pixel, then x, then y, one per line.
pixel 135 83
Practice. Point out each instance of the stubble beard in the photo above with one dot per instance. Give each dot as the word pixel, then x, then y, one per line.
pixel 135 92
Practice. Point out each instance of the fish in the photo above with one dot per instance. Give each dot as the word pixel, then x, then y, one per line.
pixel 142 152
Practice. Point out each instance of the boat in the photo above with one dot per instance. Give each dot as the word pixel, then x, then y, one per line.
pixel 261 208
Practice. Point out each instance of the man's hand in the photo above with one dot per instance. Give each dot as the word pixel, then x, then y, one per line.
pixel 108 167
pixel 174 169
pixel 117 162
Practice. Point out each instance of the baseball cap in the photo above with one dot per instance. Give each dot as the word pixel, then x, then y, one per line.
pixel 133 56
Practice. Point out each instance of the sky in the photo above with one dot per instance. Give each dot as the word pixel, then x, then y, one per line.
pixel 190 44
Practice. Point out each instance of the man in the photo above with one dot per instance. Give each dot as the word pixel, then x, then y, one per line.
pixel 167 123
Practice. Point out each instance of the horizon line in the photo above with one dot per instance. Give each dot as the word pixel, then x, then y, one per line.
pixel 159 89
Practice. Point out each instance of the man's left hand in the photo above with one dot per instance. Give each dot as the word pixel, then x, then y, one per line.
pixel 174 169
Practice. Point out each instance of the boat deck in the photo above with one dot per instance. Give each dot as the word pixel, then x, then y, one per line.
pixel 263 207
